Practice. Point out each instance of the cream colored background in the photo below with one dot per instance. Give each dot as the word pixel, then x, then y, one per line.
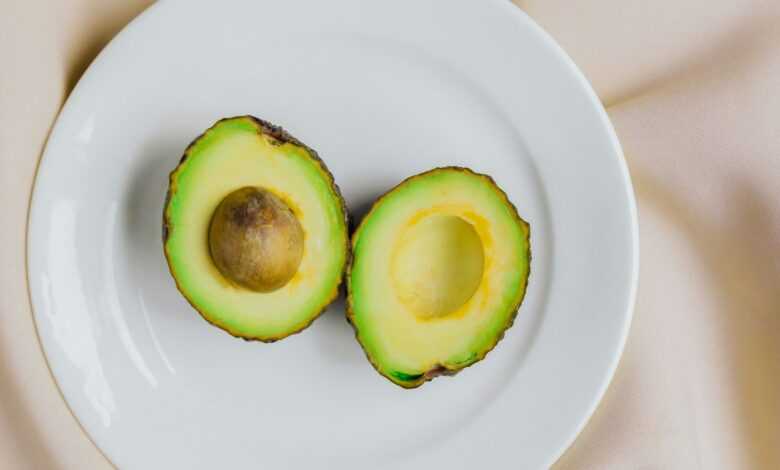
pixel 693 88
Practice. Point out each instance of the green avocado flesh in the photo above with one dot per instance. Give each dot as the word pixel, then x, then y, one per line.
pixel 440 266
pixel 265 206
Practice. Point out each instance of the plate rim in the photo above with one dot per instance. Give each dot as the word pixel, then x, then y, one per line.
pixel 630 194
pixel 32 207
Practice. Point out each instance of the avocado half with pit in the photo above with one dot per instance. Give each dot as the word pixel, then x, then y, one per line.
pixel 439 268
pixel 255 230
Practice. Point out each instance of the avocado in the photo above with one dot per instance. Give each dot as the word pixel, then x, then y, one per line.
pixel 439 267
pixel 255 230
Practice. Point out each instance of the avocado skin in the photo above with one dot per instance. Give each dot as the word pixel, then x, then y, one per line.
pixel 414 381
pixel 282 137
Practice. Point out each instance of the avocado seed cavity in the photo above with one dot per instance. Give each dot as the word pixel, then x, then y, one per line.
pixel 437 265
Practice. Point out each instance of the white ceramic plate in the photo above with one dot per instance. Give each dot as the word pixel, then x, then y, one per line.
pixel 382 89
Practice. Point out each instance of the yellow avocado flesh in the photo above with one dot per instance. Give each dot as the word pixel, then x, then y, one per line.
pixel 241 152
pixel 440 266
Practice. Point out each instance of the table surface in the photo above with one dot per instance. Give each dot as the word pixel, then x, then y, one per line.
pixel 693 88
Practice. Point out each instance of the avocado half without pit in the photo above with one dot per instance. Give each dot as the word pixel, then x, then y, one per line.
pixel 439 268
pixel 255 230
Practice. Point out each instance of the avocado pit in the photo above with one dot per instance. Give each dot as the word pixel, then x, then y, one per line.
pixel 255 239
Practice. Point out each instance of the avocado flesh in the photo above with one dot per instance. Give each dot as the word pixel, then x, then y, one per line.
pixel 246 152
pixel 440 266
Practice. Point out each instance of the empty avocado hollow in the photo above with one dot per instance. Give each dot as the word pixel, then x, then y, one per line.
pixel 439 269
pixel 255 230
pixel 437 265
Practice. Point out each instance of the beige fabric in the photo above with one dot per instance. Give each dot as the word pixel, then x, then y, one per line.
pixel 693 87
